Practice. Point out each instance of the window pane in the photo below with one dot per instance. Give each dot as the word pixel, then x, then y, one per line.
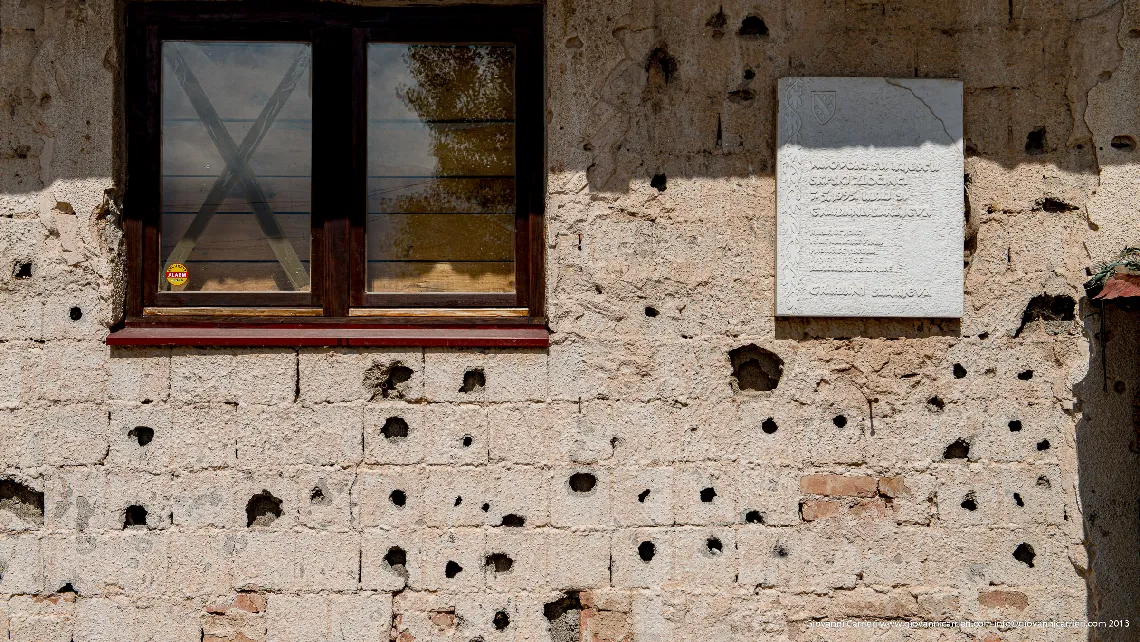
pixel 236 165
pixel 441 168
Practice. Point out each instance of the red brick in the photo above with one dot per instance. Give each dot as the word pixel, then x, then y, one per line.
pixel 814 509
pixel 1000 599
pixel 251 602
pixel 841 485
pixel 893 487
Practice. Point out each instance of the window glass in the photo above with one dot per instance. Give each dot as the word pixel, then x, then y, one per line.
pixel 236 166
pixel 441 168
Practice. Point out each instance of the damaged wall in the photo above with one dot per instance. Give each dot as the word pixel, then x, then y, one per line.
pixel 679 464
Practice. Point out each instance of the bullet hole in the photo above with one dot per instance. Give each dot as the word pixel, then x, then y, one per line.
pixel 467 441
pixel 643 495
pixel 753 26
pixel 708 494
pixel 755 368
pixel 1044 482
pixel 909 375
pixel 769 426
pixel 485 507
pixel 753 517
pixel 75 313
pixel 960 449
pixel 499 561
pixel 741 95
pixel 582 482
pixel 1024 554
pixel 142 434
pixel 959 371
pixel 718 21
pixel 713 546
pixel 839 420
pixel 651 311
pixel 749 74
pixel 597 289
pixel 779 550
pixel 936 404
pixel 22 271
pixel 396 557
pixel 67 588
pixel 22 501
pixel 1025 375
pixel 646 551
pixel 1015 426
pixel 513 521
pixel 1123 143
pixel 384 380
pixel 501 620
pixel 574 42
pixel 1056 205
pixel 658 182
pixel 262 509
pixel 1017 500
pixel 1043 444
pixel 1119 387
pixel 564 617
pixel 134 516
pixel 660 64
pixel 984 335
pixel 458 500
pixel 316 496
pixel 1035 142
pixel 398 497
pixel 451 569
pixel 473 380
pixel 394 428
pixel 970 503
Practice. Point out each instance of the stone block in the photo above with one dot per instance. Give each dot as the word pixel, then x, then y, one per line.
pixel 705 556
pixel 245 375
pixel 21 564
pixel 139 374
pixel 485 375
pixel 449 560
pixel 351 618
pixel 321 435
pixel 142 437
pixel 705 495
pixel 122 619
pixel 341 375
pixel 577 559
pixel 643 557
pixel 74 435
pixel 515 559
pixel 390 497
pixel 580 497
pixel 643 497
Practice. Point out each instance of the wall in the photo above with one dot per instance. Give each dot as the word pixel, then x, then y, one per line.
pixel 900 470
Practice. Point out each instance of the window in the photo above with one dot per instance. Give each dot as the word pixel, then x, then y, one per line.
pixel 331 174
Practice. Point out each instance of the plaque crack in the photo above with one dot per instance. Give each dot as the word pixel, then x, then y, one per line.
pixel 928 108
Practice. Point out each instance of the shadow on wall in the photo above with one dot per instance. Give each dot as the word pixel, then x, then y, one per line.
pixel 1108 464
pixel 661 92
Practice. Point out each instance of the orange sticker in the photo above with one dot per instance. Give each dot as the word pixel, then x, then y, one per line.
pixel 177 274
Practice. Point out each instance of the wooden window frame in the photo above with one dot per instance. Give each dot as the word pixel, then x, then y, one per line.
pixel 337 310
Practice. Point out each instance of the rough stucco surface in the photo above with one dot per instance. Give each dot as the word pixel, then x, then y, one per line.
pixel 810 517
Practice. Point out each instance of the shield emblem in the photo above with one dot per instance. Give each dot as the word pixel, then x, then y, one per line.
pixel 823 105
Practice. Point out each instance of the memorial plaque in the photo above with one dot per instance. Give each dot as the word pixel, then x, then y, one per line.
pixel 869 195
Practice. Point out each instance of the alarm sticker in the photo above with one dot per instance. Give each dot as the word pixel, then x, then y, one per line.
pixel 177 274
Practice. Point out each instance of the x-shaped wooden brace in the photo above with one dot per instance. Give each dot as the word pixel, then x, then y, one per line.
pixel 237 170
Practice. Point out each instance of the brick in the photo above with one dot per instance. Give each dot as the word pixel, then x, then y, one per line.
pixel 814 509
pixel 1003 599
pixel 838 485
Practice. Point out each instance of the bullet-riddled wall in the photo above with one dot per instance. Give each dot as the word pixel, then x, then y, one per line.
pixel 679 464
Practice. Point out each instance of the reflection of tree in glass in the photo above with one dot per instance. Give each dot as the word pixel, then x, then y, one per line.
pixel 465 97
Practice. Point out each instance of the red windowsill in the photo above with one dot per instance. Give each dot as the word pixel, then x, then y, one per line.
pixel 521 336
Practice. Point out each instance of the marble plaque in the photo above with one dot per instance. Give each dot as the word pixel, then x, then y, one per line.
pixel 869 196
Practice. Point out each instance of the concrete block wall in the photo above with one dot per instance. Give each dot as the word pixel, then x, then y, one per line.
pixel 622 485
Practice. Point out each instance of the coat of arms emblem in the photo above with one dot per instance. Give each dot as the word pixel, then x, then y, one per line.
pixel 823 105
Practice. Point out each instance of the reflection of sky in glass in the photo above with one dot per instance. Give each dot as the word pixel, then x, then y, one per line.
pixel 239 79
pixel 441 168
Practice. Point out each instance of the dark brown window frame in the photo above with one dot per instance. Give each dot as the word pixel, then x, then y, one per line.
pixel 337 310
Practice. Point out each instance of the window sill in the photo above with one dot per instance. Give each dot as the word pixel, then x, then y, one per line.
pixel 277 335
